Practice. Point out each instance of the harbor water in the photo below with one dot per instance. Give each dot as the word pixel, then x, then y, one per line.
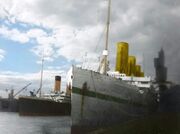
pixel 12 123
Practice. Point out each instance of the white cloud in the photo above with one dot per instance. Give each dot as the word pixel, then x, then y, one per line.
pixel 77 25
pixel 76 43
pixel 17 80
pixel 13 34
pixel 44 51
pixel 65 37
pixel 65 40
pixel 2 54
pixel 34 33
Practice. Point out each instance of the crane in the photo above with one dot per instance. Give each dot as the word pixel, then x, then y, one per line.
pixel 22 89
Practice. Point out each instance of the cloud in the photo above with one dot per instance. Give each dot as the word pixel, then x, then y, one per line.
pixel 34 33
pixel 43 51
pixel 13 34
pixel 70 34
pixel 18 80
pixel 64 42
pixel 76 27
pixel 2 54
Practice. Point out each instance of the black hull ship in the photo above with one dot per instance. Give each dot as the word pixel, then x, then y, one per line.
pixel 35 106
pixel 52 104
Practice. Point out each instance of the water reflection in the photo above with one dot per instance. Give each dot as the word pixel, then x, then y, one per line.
pixel 12 123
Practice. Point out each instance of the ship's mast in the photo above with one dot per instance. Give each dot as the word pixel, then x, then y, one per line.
pixel 108 23
pixel 42 67
pixel 104 62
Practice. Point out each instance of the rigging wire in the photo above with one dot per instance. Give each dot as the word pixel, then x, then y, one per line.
pixel 105 31
pixel 100 38
pixel 98 44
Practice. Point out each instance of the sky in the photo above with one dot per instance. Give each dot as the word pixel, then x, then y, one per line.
pixel 73 32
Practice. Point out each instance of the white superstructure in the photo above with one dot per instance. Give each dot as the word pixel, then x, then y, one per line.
pixel 141 82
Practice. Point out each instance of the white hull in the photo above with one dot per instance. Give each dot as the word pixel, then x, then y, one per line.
pixel 100 100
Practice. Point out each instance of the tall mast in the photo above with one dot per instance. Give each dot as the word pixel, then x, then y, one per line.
pixel 104 62
pixel 108 23
pixel 42 67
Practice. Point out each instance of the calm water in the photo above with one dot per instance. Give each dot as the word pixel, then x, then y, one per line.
pixel 12 123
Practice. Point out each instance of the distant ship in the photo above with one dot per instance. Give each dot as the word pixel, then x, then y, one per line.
pixel 42 106
pixel 55 103
pixel 105 98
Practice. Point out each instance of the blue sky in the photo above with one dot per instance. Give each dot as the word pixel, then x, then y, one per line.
pixel 26 35
pixel 66 31
pixel 18 56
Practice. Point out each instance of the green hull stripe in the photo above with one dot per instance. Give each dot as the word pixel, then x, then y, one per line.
pixel 103 96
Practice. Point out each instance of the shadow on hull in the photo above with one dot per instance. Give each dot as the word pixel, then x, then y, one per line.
pixel 170 100
pixel 164 123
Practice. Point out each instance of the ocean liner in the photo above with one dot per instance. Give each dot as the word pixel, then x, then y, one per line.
pixel 53 104
pixel 104 98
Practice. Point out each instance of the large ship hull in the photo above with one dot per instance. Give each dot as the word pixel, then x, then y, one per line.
pixel 100 100
pixel 43 107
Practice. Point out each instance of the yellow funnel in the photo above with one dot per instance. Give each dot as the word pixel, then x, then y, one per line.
pixel 138 70
pixel 131 68
pixel 142 74
pixel 122 57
